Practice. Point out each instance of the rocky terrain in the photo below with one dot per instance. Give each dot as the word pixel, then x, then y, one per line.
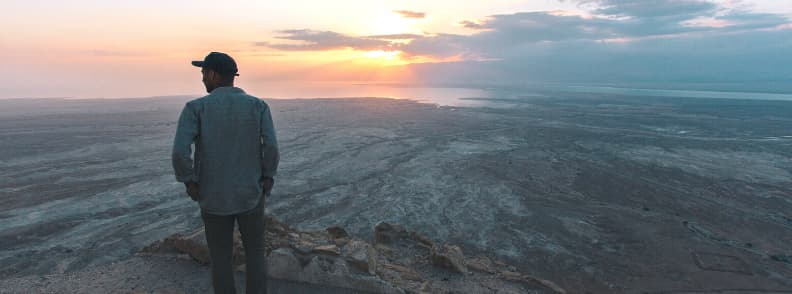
pixel 329 261
pixel 599 194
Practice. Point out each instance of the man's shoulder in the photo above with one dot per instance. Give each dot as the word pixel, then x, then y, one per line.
pixel 197 101
pixel 254 99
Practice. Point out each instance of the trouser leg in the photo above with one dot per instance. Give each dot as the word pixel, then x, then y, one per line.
pixel 220 238
pixel 251 227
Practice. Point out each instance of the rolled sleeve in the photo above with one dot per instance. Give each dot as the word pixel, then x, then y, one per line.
pixel 186 132
pixel 269 144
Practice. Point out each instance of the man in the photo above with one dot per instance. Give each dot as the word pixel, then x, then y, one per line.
pixel 236 157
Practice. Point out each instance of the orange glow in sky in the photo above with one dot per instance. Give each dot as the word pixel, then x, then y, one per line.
pixel 98 48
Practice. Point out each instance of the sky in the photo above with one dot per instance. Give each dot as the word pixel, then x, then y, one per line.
pixel 96 48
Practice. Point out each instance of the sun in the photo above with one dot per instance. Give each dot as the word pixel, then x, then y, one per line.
pixel 384 57
pixel 390 23
pixel 387 55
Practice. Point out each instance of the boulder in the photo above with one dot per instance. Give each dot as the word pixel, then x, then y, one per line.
pixel 449 257
pixel 323 270
pixel 388 233
pixel 404 272
pixel 361 256
pixel 193 244
pixel 423 241
pixel 282 264
pixel 303 246
pixel 337 232
pixel 331 250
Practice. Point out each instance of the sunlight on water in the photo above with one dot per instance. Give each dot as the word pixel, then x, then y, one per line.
pixel 436 95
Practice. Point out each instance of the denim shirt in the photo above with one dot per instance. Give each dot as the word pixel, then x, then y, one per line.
pixel 235 149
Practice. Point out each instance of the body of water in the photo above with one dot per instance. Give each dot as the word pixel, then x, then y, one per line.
pixel 476 96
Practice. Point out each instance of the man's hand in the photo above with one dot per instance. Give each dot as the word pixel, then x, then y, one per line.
pixel 192 190
pixel 267 185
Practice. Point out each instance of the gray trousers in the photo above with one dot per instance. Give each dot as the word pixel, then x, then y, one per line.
pixel 220 238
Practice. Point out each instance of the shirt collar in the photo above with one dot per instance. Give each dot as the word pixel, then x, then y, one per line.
pixel 227 90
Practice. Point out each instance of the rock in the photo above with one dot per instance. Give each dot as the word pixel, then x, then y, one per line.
pixel 426 287
pixel 282 264
pixel 161 247
pixel 331 250
pixel 272 225
pixel 323 270
pixel 449 257
pixel 384 249
pixel 511 276
pixel 193 244
pixel 361 255
pixel 196 247
pixel 341 241
pixel 404 272
pixel 337 232
pixel 387 233
pixel 423 241
pixel 481 264
pixel 531 281
pixel 399 261
pixel 303 247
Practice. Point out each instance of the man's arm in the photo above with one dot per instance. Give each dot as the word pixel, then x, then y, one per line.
pixel 269 148
pixel 186 132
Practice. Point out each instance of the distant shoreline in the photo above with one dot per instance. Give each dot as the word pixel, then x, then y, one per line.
pixel 459 94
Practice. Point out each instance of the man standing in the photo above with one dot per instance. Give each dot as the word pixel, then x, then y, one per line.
pixel 236 157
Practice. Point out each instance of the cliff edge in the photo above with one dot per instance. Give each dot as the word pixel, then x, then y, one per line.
pixel 397 261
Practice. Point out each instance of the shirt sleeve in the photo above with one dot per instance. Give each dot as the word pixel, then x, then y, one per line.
pixel 186 132
pixel 269 144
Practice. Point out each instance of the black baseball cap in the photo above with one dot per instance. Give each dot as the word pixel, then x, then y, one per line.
pixel 218 62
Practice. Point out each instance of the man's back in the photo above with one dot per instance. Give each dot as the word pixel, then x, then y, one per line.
pixel 234 145
pixel 236 157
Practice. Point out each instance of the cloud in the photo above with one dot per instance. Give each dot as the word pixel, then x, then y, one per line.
pixel 311 40
pixel 747 20
pixel 410 14
pixel 396 37
pixel 439 46
pixel 616 40
pixel 471 25
pixel 507 35
pixel 668 9
pixel 659 42
pixel 733 59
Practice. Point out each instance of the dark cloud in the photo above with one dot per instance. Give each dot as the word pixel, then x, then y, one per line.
pixel 670 9
pixel 439 46
pixel 625 41
pixel 506 35
pixel 410 14
pixel 622 40
pixel 733 58
pixel 743 20
pixel 471 25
